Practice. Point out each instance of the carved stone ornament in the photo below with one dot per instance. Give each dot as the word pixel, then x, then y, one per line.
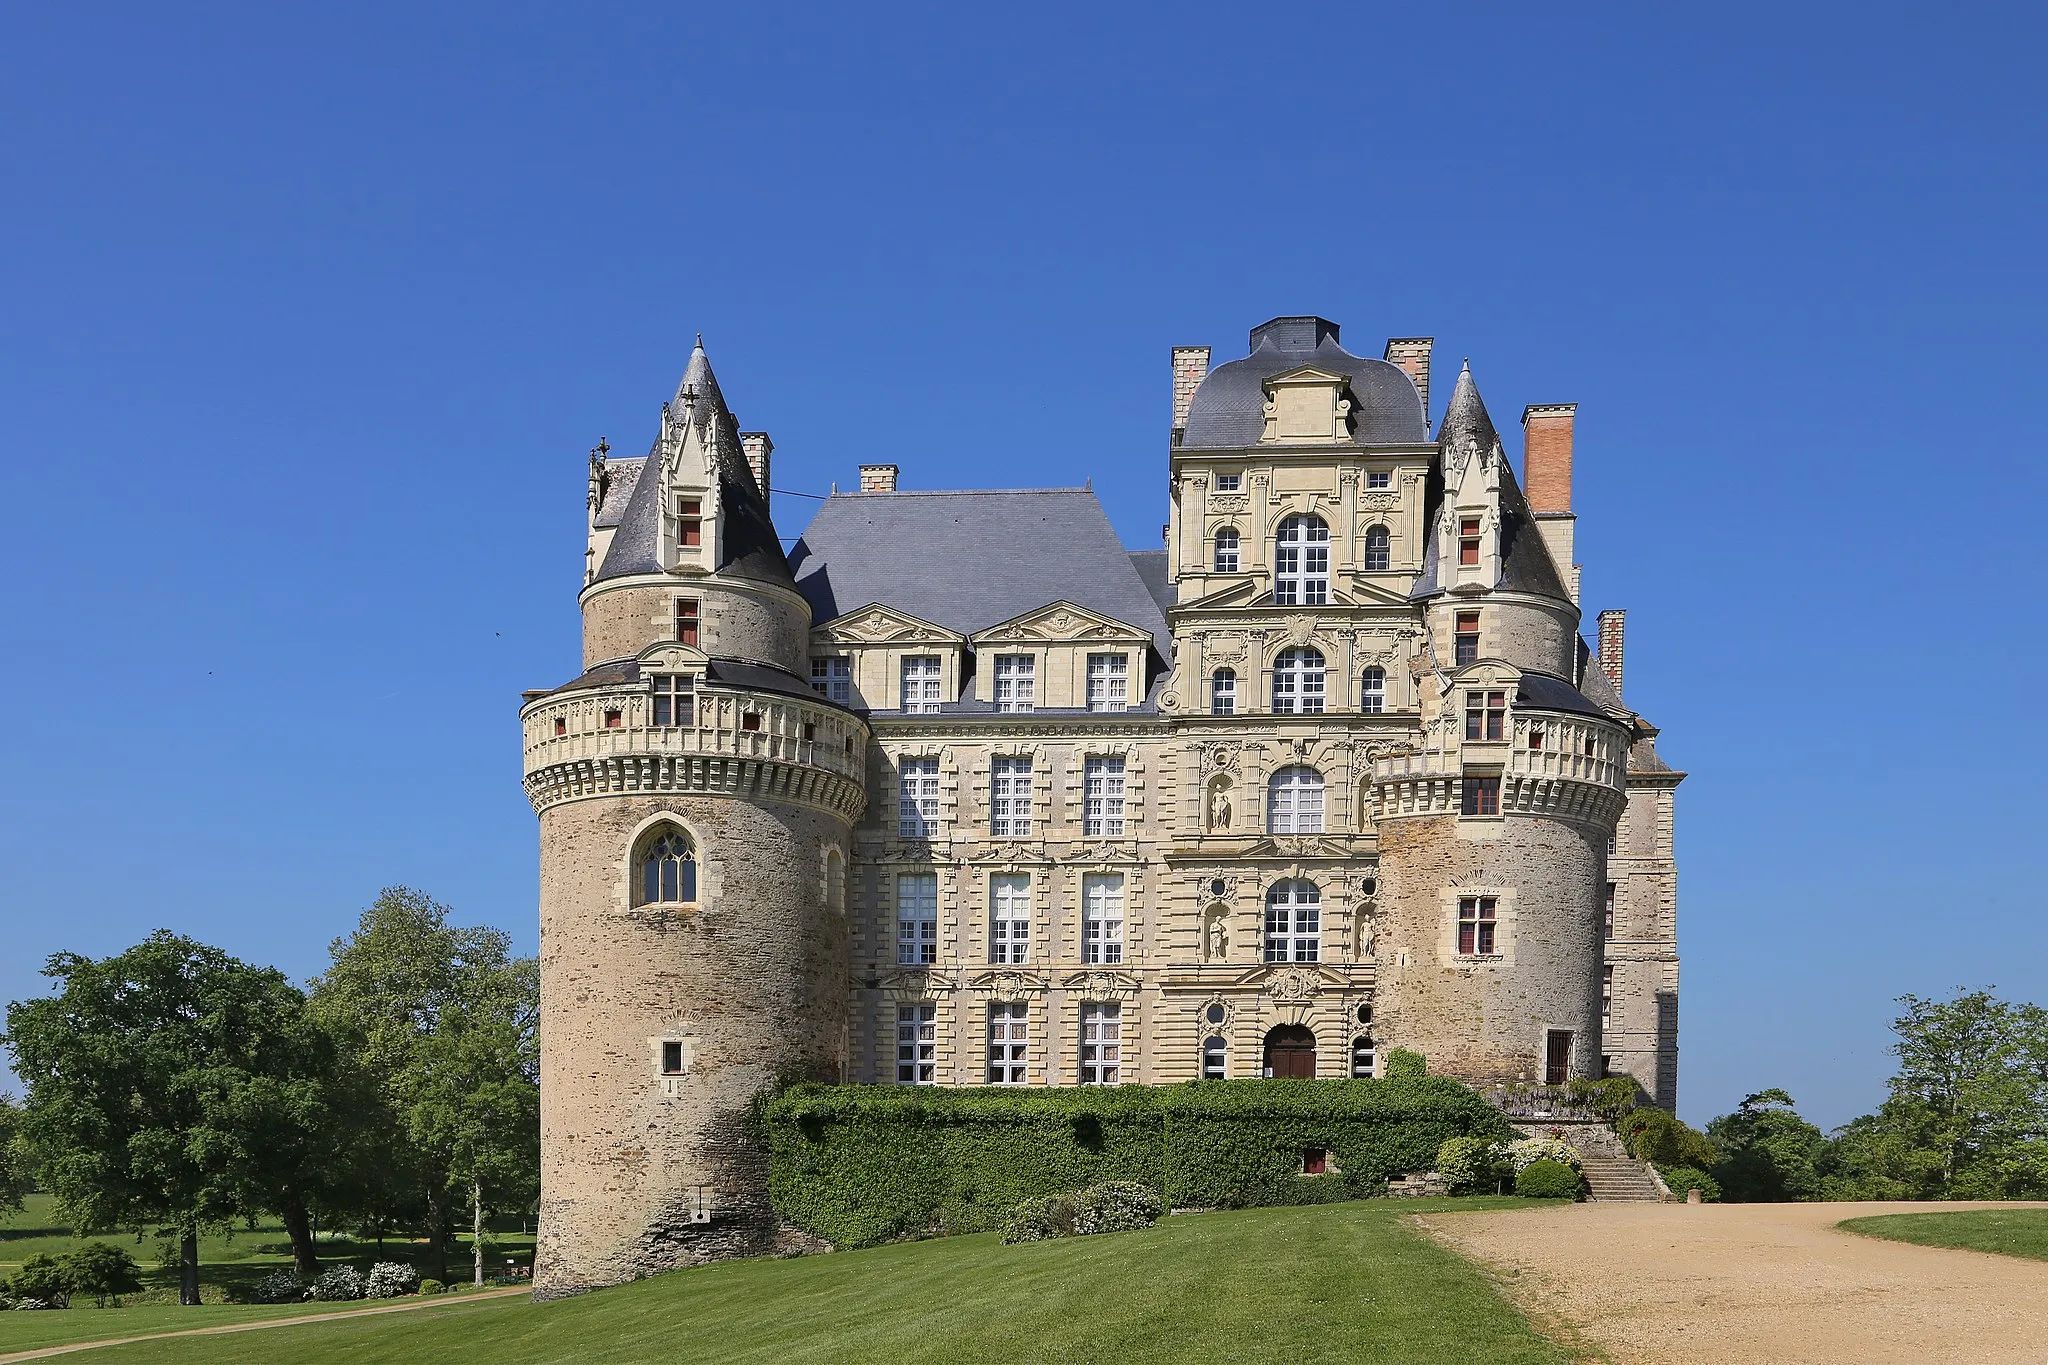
pixel 1379 502
pixel 1169 701
pixel 1228 503
pixel 1300 629
pixel 1222 756
pixel 1293 985
pixel 1009 986
pixel 1219 805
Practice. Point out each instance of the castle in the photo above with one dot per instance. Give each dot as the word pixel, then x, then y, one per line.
pixel 959 791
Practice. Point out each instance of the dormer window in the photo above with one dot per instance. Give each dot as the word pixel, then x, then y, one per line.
pixel 1468 541
pixel 1016 682
pixel 1108 682
pixel 832 678
pixel 675 700
pixel 1486 715
pixel 921 683
pixel 689 526
pixel 1228 483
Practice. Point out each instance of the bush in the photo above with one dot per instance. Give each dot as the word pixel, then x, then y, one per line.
pixel 279 1286
pixel 338 1283
pixel 1610 1097
pixel 102 1270
pixel 1547 1180
pixel 1526 1150
pixel 389 1280
pixel 1659 1138
pixel 1403 1065
pixel 432 1287
pixel 41 1283
pixel 1469 1165
pixel 859 1164
pixel 1119 1206
pixel 1679 1179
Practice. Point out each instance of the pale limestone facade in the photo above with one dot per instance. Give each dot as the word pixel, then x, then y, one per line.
pixel 1015 835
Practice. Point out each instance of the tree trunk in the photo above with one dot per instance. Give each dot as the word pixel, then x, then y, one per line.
pixel 476 1228
pixel 437 1233
pixel 188 1266
pixel 298 1225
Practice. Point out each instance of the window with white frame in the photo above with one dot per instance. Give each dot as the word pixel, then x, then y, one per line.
pixel 917 1044
pixel 1298 682
pixel 1301 562
pixel 917 798
pixel 1226 550
pixel 1228 483
pixel 1009 919
pixel 917 918
pixel 675 699
pixel 1294 922
pixel 1102 796
pixel 1009 1042
pixel 1379 478
pixel 1009 797
pixel 921 682
pixel 1294 801
pixel 1016 682
pixel 1372 691
pixel 1223 692
pixel 1379 550
pixel 1109 682
pixel 1215 1058
pixel 1362 1052
pixel 832 679
pixel 1102 918
pixel 1102 1043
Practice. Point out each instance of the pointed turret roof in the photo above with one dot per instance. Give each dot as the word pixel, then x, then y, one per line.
pixel 698 382
pixel 1466 416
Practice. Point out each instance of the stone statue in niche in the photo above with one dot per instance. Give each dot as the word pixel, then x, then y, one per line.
pixel 1219 805
pixel 1216 935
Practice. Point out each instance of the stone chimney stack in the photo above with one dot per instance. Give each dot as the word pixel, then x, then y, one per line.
pixel 878 478
pixel 1547 479
pixel 1190 367
pixel 1412 355
pixel 758 448
pixel 1613 625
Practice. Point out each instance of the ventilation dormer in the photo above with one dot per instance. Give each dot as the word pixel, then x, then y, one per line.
pixel 1307 406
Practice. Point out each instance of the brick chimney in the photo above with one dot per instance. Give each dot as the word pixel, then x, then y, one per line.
pixel 1190 366
pixel 878 478
pixel 1412 355
pixel 1547 480
pixel 1613 625
pixel 758 448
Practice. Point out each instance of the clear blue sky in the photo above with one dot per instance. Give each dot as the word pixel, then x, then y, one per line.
pixel 308 318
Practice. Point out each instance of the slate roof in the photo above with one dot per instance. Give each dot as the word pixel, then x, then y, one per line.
pixel 1229 407
pixel 1525 562
pixel 1543 692
pixel 740 673
pixel 971 559
pixel 1155 572
pixel 750 548
pixel 620 476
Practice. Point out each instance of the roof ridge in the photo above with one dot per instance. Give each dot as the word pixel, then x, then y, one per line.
pixel 955 492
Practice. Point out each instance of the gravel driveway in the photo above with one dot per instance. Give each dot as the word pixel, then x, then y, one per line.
pixel 1758 1283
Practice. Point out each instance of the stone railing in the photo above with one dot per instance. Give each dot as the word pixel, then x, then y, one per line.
pixel 1533 782
pixel 1542 1104
pixel 769 745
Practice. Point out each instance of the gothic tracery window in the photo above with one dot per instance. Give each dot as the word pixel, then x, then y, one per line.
pixel 668 870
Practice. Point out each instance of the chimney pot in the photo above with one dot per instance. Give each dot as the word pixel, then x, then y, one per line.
pixel 878 478
pixel 1190 367
pixel 1613 627
pixel 1412 355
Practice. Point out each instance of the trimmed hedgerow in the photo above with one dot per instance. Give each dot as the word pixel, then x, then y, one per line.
pixel 863 1164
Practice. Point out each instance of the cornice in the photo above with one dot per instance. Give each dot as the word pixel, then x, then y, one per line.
pixel 730 776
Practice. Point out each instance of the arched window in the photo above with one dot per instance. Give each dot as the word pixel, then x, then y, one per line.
pixel 1215 1059
pixel 1372 691
pixel 1379 551
pixel 1294 802
pixel 1226 550
pixel 668 869
pixel 1298 682
pixel 1294 922
pixel 835 881
pixel 1301 565
pixel 1291 1051
pixel 1361 1057
pixel 1223 692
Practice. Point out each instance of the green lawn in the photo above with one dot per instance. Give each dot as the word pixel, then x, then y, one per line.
pixel 227 1261
pixel 2010 1232
pixel 1327 1283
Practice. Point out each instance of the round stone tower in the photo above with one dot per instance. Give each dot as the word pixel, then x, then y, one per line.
pixel 696 800
pixel 1493 835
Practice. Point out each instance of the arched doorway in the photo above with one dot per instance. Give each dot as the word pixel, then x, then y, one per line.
pixel 1291 1051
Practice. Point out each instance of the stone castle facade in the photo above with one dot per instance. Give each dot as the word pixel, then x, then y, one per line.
pixel 959 791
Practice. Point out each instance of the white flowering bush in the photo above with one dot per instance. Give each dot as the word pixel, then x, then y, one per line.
pixel 1520 1154
pixel 390 1279
pixel 1117 1206
pixel 280 1286
pixel 338 1283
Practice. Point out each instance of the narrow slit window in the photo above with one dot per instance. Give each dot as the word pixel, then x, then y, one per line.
pixel 1467 638
pixel 686 621
pixel 1223 692
pixel 1379 550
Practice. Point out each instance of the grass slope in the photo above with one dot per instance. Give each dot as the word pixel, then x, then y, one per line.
pixel 2009 1232
pixel 1326 1283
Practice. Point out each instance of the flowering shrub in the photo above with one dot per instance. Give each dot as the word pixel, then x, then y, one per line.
pixel 339 1282
pixel 390 1279
pixel 1520 1154
pixel 1469 1165
pixel 1118 1206
pixel 281 1286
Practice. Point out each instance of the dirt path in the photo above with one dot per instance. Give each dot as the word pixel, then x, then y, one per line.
pixel 437 1301
pixel 1752 1283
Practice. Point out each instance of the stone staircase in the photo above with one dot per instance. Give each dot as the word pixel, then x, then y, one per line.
pixel 1619 1177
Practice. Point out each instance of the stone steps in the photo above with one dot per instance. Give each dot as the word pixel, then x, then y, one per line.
pixel 1617 1178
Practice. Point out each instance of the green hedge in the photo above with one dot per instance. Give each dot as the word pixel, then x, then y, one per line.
pixel 862 1164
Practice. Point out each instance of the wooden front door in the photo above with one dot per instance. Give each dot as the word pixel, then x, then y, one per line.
pixel 1557 1057
pixel 1291 1051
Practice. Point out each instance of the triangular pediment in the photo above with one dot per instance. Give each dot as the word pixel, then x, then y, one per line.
pixel 879 624
pixel 1061 621
pixel 1307 374
pixel 1237 592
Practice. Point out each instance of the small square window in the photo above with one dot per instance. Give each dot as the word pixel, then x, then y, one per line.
pixel 1315 1160
pixel 561 726
pixel 1228 483
pixel 750 720
pixel 1481 795
pixel 671 1059
pixel 810 731
pixel 1379 478
pixel 613 720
